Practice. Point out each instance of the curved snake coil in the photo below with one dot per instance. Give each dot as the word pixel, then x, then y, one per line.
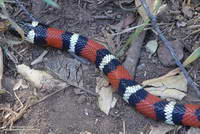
pixel 147 104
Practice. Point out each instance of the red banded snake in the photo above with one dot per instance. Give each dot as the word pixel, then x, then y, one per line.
pixel 134 94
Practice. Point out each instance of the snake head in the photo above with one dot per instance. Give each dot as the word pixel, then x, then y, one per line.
pixel 26 27
pixel 30 30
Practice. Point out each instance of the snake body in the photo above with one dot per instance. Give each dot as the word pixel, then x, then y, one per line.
pixel 134 94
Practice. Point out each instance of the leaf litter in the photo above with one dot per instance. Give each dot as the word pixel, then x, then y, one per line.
pixel 39 79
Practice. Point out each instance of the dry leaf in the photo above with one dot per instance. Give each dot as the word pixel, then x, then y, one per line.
pixel 66 69
pixel 39 79
pixel 167 86
pixel 105 99
pixel 152 46
pixel 161 129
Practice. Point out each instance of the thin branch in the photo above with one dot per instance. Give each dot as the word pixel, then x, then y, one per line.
pixel 25 10
pixel 46 97
pixel 168 44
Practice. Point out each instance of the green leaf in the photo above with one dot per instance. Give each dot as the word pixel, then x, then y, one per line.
pixel 152 46
pixel 52 3
pixel 194 56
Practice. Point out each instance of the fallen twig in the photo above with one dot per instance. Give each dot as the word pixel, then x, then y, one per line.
pixel 124 127
pixel 12 116
pixel 168 45
pixel 24 9
pixel 46 97
pixel 129 29
pixel 40 58
pixel 194 32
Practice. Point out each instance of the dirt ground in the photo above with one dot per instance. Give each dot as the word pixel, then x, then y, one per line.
pixel 72 111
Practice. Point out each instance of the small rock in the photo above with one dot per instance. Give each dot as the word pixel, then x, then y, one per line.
pixel 165 56
pixel 86 111
pixel 187 11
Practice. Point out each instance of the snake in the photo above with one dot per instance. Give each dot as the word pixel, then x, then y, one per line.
pixel 120 79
